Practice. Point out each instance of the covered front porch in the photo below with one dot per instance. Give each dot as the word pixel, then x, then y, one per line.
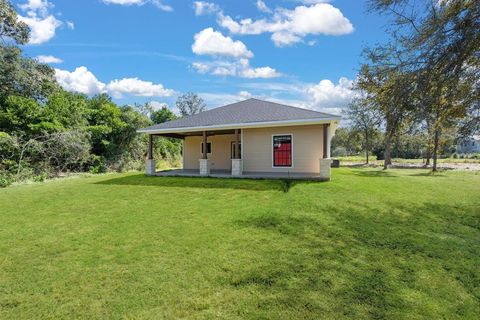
pixel 204 153
pixel 250 153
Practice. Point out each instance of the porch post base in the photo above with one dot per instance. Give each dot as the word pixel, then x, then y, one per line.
pixel 151 167
pixel 204 167
pixel 237 167
pixel 325 168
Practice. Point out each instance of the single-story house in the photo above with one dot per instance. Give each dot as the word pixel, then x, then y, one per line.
pixel 251 138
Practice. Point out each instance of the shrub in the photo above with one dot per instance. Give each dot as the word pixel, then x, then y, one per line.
pixel 6 179
pixel 340 152
pixel 98 165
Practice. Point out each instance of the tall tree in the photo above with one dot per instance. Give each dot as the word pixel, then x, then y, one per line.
pixel 190 103
pixel 162 115
pixel 10 26
pixel 388 91
pixel 365 118
pixel 437 44
pixel 443 44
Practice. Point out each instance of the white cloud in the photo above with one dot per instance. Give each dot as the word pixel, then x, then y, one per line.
pixel 214 100
pixel 285 38
pixel 245 94
pixel 42 30
pixel 291 26
pixel 83 81
pixel 42 24
pixel 158 3
pixel 326 94
pixel 210 42
pixel 231 57
pixel 262 72
pixel 157 105
pixel 203 7
pixel 125 2
pixel 137 87
pixel 201 67
pixel 41 6
pixel 323 96
pixel 313 1
pixel 262 6
pixel 165 7
pixel 239 68
pixel 48 59
pixel 70 25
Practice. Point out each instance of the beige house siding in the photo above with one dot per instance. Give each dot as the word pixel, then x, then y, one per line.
pixel 307 148
pixel 220 157
pixel 257 153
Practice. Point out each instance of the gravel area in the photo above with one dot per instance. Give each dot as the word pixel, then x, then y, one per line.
pixel 447 166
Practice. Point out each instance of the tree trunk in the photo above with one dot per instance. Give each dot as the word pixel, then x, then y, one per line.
pixel 367 145
pixel 387 162
pixel 428 155
pixel 388 151
pixel 436 138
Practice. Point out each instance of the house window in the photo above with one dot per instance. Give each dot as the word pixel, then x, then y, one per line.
pixel 232 150
pixel 282 151
pixel 209 148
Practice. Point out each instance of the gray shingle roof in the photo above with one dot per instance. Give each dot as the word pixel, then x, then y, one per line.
pixel 248 111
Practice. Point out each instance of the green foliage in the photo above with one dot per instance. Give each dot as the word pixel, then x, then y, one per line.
pixel 162 115
pixel 24 76
pixel 70 132
pixel 46 131
pixel 66 110
pixel 21 115
pixel 10 26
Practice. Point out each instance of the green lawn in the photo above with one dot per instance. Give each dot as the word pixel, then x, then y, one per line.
pixel 401 244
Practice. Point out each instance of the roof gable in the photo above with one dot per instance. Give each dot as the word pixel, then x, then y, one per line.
pixel 243 112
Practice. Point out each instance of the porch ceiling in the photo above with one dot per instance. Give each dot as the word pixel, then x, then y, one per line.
pixel 183 135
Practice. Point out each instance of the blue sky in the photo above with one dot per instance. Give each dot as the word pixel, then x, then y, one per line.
pixel 305 53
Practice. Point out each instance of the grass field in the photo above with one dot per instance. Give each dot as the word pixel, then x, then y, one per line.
pixel 400 244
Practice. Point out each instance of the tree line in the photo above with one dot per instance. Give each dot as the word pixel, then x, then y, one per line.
pixel 425 80
pixel 46 131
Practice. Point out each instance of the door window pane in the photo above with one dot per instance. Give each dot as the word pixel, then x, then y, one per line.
pixel 282 151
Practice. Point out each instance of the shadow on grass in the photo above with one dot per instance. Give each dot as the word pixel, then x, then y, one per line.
pixel 375 173
pixel 366 259
pixel 429 174
pixel 214 183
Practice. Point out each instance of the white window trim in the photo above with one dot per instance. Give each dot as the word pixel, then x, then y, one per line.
pixel 271 146
pixel 211 147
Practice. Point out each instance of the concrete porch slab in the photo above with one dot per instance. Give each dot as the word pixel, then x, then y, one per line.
pixel 245 175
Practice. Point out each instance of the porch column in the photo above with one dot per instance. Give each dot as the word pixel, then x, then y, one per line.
pixel 205 151
pixel 237 164
pixel 150 170
pixel 326 141
pixel 325 162
pixel 204 162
